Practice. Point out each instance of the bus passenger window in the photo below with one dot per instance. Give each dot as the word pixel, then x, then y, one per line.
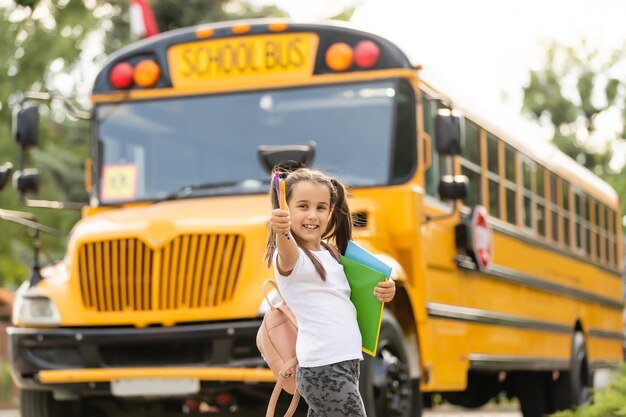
pixel 510 185
pixel 579 220
pixel 470 163
pixel 527 191
pixel 493 175
pixel 553 207
pixel 565 213
pixel 607 236
pixel 602 253
pixel 587 216
pixel 540 196
pixel 596 228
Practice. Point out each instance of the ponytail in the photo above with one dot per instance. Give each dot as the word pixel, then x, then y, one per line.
pixel 340 224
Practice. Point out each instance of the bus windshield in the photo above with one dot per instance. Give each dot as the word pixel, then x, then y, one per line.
pixel 149 149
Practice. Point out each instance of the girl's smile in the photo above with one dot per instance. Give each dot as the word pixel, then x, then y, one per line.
pixel 309 209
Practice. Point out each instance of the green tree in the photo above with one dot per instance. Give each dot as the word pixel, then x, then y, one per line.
pixel 38 41
pixel 174 14
pixel 575 89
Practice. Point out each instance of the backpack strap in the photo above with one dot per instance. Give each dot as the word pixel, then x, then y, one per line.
pixel 271 407
pixel 283 307
pixel 333 250
pixel 275 285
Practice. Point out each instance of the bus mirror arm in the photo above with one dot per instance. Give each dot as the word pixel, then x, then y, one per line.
pixel 451 187
pixel 451 213
pixel 57 205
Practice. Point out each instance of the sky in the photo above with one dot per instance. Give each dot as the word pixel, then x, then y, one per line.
pixel 480 52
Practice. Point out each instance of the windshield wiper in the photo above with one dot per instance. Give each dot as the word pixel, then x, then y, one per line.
pixel 188 189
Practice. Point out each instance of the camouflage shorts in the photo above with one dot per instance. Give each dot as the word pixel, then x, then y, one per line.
pixel 331 390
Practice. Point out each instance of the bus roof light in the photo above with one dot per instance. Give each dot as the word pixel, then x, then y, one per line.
pixel 366 54
pixel 339 56
pixel 277 27
pixel 121 75
pixel 147 73
pixel 241 28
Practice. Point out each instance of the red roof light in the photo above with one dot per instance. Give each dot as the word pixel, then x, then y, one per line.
pixel 121 75
pixel 366 54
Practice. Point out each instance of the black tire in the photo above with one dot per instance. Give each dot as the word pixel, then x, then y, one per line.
pixel 43 404
pixel 572 388
pixel 581 383
pixel 385 384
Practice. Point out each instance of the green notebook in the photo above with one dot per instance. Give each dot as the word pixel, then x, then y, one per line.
pixel 369 311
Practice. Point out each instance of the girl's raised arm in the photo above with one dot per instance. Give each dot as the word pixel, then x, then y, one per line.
pixel 285 244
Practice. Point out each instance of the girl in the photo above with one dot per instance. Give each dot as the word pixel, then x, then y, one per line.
pixel 314 285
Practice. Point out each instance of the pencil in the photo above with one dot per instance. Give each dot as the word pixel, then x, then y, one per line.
pixel 283 197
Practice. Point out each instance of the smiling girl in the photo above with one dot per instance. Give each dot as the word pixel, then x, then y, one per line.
pixel 315 286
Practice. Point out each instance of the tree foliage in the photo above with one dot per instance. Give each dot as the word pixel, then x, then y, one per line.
pixel 37 42
pixel 578 90
pixel 610 402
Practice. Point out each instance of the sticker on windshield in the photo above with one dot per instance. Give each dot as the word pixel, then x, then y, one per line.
pixel 119 182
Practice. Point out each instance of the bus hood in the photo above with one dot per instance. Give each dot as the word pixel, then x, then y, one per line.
pixel 178 216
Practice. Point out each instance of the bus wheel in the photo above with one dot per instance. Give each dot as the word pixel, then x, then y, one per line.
pixel 386 387
pixel 572 388
pixel 580 377
pixel 43 404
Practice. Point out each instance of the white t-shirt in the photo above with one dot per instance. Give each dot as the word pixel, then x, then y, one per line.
pixel 327 328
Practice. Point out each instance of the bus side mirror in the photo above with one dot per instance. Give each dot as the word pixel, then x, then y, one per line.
pixel 453 187
pixel 5 174
pixel 26 181
pixel 26 125
pixel 449 132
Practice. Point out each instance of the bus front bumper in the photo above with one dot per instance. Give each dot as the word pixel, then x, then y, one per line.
pixel 88 359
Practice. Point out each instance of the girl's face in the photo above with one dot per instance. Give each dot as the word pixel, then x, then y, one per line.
pixel 309 209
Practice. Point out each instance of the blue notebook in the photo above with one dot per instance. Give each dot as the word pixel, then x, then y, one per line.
pixel 357 253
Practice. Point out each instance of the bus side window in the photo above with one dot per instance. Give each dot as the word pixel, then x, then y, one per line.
pixel 540 198
pixel 579 207
pixel 527 192
pixel 470 163
pixel 613 230
pixel 405 145
pixel 602 234
pixel 587 222
pixel 510 185
pixel 493 175
pixel 610 242
pixel 565 212
pixel 553 204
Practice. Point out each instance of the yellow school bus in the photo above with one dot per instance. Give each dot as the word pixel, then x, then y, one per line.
pixel 509 282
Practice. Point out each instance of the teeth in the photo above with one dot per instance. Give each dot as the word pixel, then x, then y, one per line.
pixel 309 226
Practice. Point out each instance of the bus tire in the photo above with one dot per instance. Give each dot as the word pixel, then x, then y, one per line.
pixel 43 404
pixel 573 387
pixel 385 384
pixel 580 385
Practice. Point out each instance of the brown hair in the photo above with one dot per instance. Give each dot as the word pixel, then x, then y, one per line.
pixel 339 227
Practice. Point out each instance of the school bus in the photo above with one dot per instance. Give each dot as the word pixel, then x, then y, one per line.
pixel 509 282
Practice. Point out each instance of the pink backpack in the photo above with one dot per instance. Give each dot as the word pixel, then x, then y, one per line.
pixel 276 341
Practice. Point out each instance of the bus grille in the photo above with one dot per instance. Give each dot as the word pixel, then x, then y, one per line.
pixel 191 271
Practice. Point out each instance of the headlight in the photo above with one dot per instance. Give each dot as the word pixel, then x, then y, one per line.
pixel 35 310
